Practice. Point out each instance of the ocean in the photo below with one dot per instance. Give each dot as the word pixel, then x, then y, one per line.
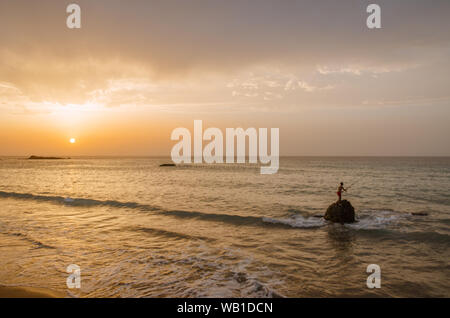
pixel 136 229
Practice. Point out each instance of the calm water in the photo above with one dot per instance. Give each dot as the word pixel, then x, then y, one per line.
pixel 140 230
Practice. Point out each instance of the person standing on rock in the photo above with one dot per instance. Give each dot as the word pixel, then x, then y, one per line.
pixel 339 191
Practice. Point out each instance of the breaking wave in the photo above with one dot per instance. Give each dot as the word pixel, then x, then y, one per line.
pixel 367 219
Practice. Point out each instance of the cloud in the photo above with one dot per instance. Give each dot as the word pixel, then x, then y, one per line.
pixel 361 69
pixel 150 52
pixel 414 101
pixel 271 84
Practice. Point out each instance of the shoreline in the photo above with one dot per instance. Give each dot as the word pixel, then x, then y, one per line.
pixel 27 292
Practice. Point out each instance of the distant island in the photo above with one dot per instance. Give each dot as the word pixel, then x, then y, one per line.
pixel 45 158
pixel 167 165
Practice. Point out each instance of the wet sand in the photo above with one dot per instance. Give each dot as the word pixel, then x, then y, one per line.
pixel 27 292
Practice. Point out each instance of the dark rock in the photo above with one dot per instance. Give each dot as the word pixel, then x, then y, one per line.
pixel 167 165
pixel 419 213
pixel 44 158
pixel 340 212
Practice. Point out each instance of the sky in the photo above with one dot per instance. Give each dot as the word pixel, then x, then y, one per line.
pixel 136 70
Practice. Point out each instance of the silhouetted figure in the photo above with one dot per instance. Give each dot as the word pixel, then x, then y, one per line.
pixel 339 191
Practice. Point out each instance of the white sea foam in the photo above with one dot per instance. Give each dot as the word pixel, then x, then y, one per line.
pixel 375 219
pixel 297 221
pixel 366 220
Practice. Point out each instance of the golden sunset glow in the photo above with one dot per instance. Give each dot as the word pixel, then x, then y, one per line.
pixel 317 80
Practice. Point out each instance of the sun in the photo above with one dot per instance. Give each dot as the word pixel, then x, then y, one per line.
pixel 72 140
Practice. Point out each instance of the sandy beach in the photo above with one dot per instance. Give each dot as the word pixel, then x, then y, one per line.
pixel 27 292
